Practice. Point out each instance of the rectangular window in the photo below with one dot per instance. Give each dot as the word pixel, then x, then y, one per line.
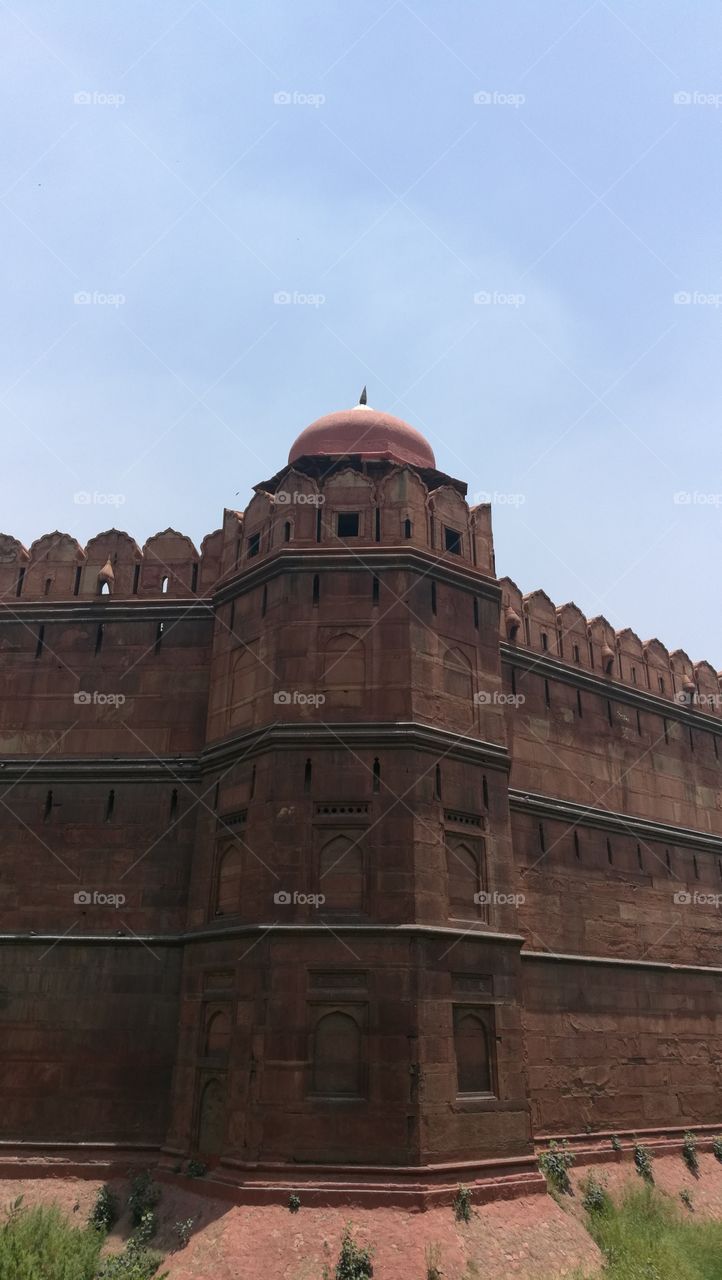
pixel 452 541
pixel 347 524
pixel 254 544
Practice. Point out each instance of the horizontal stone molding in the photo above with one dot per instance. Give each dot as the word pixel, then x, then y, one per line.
pixel 580 815
pixel 618 962
pixel 368 559
pixel 106 609
pixel 111 769
pixel 607 687
pixel 214 934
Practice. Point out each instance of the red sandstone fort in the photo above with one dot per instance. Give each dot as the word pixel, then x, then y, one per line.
pixel 328 854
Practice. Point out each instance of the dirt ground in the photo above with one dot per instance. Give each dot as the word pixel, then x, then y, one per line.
pixel 526 1239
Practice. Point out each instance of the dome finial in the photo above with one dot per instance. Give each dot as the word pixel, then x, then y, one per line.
pixel 363 398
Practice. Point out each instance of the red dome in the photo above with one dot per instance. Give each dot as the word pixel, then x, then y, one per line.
pixel 366 432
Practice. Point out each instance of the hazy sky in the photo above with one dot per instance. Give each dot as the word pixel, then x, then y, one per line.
pixel 501 272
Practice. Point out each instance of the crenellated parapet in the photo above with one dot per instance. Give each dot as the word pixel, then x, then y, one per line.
pixel 352 506
pixel 56 567
pixel 563 632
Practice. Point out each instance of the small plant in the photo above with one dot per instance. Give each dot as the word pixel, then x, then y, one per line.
pixel 432 1254
pixel 686 1198
pixel 105 1213
pixel 294 1202
pixel 196 1169
pixel 616 1144
pixel 689 1152
pixel 145 1229
pixel 462 1205
pixel 717 1148
pixel 595 1199
pixel 354 1261
pixel 144 1196
pixel 643 1162
pixel 182 1232
pixel 555 1165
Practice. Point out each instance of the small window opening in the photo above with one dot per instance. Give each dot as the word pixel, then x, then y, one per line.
pixel 48 585
pixel 545 641
pixel 610 855
pixel 591 655
pixel 547 695
pixel 576 653
pixel 76 584
pixel 254 545
pixel 164 585
pixel 377 775
pixel 666 732
pixel 580 709
pixel 216 795
pixel 264 601
pixel 437 782
pixel 194 577
pixel 159 636
pixel 99 637
pixel 316 588
pixel 668 861
pixel 691 739
pixel 542 841
pixel 513 681
pixel 347 524
pixel 136 579
pixel 318 524
pixel 661 683
pixel 484 791
pixel 287 531
pixel 433 597
pixel 47 811
pixel 610 716
pixel 634 675
pixel 716 748
pixel 407 528
pixel 640 860
pixel 476 613
pixel 173 803
pixel 639 724
pixel 307 776
pixel 577 851
pixel 375 591
pixel 378 524
pixel 40 642
pixel 105 588
pixel 452 541
pixel 109 806
pixel 253 781
pixel 696 866
pixel 21 579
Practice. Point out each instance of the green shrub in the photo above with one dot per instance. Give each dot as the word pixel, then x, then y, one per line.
pixel 132 1264
pixel 105 1212
pixel 555 1165
pixel 354 1262
pixel 689 1152
pixel 686 1198
pixel 616 1144
pixel 294 1202
pixel 144 1196
pixel 196 1169
pixel 643 1162
pixel 717 1148
pixel 595 1198
pixel 145 1229
pixel 647 1237
pixel 182 1231
pixel 40 1244
pixel 462 1205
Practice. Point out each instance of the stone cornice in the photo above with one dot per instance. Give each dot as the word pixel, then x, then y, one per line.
pixel 369 558
pixel 607 687
pixel 108 769
pixel 106 609
pixel 561 957
pixel 580 815
pixel 217 934
pixel 424 737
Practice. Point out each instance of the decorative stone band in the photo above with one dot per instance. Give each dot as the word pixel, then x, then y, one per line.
pixel 106 609
pixel 368 559
pixel 580 815
pixel 475 933
pixel 607 687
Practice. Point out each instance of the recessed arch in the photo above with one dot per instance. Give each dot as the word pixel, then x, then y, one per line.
pixel 337 1062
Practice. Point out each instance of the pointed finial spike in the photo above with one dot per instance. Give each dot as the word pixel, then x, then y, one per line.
pixel 363 397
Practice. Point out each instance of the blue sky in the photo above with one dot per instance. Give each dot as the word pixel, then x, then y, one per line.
pixel 578 198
